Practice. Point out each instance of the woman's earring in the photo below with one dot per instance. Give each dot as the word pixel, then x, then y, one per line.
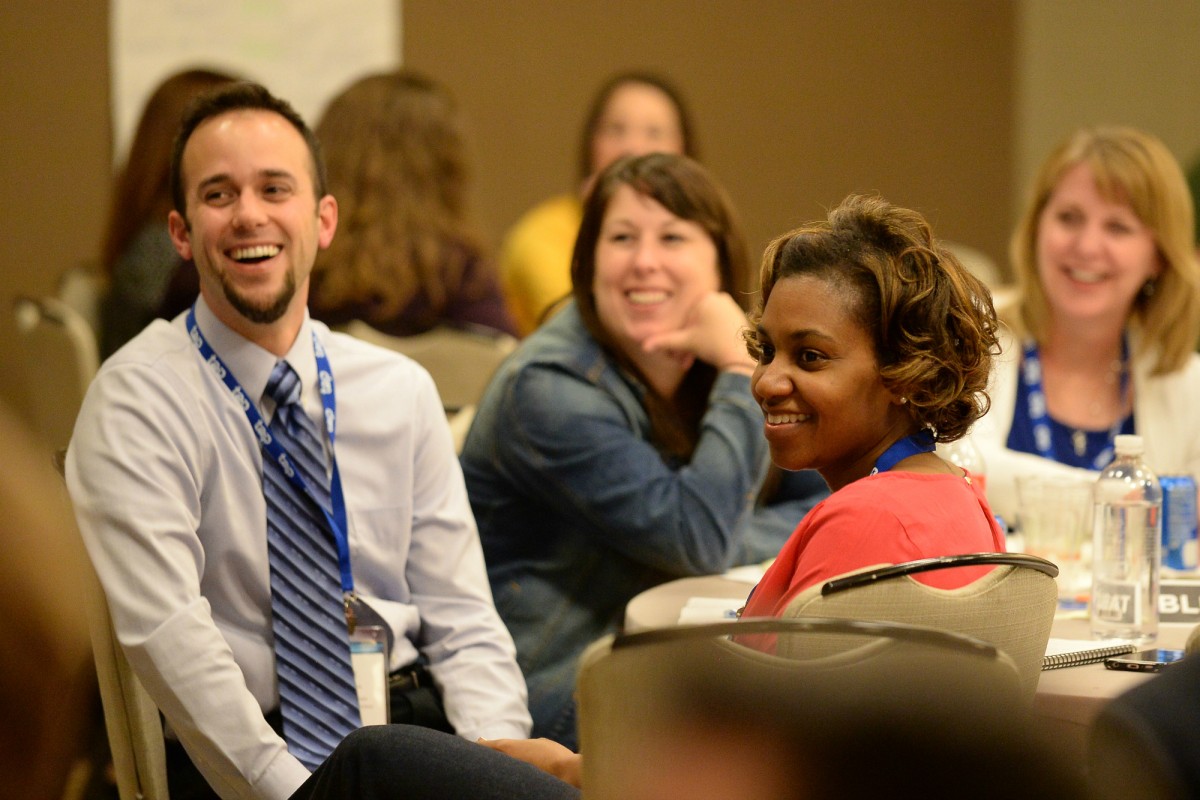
pixel 1148 288
pixel 903 400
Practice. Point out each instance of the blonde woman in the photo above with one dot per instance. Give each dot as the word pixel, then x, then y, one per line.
pixel 1109 317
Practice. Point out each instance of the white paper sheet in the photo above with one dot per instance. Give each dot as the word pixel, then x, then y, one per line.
pixel 699 610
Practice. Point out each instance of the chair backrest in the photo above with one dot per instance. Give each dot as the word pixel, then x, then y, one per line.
pixel 1012 606
pixel 461 362
pixel 135 733
pixel 460 425
pixel 131 720
pixel 83 288
pixel 59 358
pixel 631 688
pixel 977 262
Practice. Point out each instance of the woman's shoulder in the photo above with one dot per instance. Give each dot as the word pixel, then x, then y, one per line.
pixel 556 405
pixel 1188 372
pixel 911 512
pixel 1165 399
pixel 565 342
pixel 889 492
pixel 869 497
pixel 561 369
pixel 544 231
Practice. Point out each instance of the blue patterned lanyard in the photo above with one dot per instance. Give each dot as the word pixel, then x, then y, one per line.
pixel 919 442
pixel 273 449
pixel 1039 418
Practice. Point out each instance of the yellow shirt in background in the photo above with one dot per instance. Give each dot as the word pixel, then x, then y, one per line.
pixel 535 259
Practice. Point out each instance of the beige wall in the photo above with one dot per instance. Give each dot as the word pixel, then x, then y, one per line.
pixel 54 148
pixel 945 105
pixel 1088 62
pixel 796 103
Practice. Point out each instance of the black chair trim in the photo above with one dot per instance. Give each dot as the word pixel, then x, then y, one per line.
pixel 943 562
pixel 776 625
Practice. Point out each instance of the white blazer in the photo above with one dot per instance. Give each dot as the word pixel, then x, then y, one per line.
pixel 1166 412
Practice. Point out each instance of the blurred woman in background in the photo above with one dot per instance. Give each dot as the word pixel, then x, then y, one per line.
pixel 405 258
pixel 633 113
pixel 1109 317
pixel 146 277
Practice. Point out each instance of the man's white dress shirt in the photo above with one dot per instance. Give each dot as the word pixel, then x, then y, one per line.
pixel 166 477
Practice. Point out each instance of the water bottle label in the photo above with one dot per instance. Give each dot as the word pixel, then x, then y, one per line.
pixel 1116 602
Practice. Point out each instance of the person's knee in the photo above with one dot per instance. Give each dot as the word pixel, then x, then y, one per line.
pixel 365 745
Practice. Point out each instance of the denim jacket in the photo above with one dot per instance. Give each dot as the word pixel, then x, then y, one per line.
pixel 578 512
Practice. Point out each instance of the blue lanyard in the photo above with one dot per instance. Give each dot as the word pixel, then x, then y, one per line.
pixel 1039 418
pixel 273 449
pixel 919 442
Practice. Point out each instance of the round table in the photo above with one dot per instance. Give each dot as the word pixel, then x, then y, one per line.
pixel 1067 699
pixel 659 606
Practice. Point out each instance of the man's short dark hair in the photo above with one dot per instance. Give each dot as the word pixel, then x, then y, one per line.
pixel 237 97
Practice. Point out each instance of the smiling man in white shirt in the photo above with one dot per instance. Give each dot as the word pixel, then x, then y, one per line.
pixel 166 469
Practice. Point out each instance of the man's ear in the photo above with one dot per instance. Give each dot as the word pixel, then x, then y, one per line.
pixel 327 219
pixel 180 235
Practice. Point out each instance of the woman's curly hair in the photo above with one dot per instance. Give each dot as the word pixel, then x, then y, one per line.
pixel 932 321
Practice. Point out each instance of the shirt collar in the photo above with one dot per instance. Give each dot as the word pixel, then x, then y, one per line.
pixel 252 365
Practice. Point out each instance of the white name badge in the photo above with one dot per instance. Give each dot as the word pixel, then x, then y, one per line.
pixel 368 656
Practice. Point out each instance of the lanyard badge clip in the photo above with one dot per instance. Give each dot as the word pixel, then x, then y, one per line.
pixel 348 601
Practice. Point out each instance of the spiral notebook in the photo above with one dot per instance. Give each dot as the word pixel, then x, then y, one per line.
pixel 1075 652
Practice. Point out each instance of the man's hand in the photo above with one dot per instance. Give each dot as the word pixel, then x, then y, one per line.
pixel 544 754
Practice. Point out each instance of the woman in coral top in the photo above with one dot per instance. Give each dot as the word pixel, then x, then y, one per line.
pixel 872 343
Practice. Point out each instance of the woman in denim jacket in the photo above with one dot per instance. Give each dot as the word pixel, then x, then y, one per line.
pixel 620 446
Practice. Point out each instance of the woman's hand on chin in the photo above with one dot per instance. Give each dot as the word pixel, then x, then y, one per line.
pixel 712 333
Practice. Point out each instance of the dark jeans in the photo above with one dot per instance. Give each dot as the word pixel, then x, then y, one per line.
pixel 413 700
pixel 404 761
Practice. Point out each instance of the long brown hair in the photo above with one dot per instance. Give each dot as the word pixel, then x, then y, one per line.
pixel 142 190
pixel 396 161
pixel 686 189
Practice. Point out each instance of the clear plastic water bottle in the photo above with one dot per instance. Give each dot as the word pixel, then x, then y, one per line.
pixel 1126 547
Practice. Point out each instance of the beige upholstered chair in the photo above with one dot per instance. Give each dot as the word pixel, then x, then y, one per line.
pixel 1011 607
pixel 461 362
pixel 650 692
pixel 83 289
pixel 135 733
pixel 131 720
pixel 58 359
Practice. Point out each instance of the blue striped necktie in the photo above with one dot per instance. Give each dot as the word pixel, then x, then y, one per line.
pixel 317 696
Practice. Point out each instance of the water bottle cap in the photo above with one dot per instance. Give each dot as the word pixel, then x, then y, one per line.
pixel 1128 444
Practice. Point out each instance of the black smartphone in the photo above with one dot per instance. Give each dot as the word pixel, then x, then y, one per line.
pixel 1144 661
